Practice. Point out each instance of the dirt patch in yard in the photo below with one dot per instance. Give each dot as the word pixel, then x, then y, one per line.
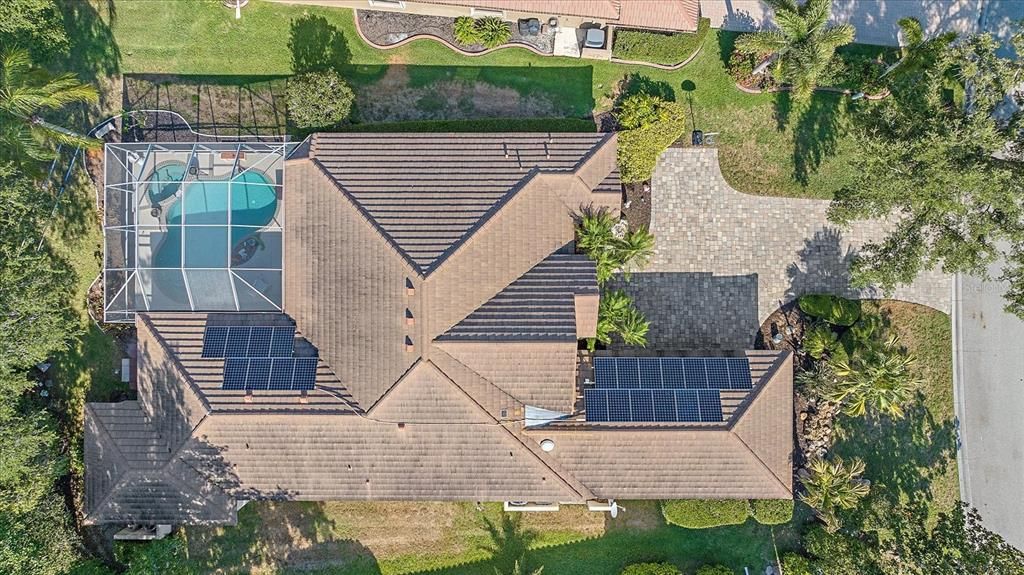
pixel 402 95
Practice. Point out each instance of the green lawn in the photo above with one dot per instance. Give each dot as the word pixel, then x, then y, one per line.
pixel 913 458
pixel 767 148
pixel 455 539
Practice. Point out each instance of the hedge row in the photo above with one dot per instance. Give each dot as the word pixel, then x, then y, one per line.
pixel 657 47
pixel 705 513
pixel 486 125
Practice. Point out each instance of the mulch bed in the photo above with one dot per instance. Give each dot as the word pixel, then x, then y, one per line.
pixel 388 28
pixel 636 208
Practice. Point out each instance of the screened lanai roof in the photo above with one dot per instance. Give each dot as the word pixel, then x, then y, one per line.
pixel 192 227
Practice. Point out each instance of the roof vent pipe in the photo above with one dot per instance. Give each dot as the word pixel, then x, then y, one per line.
pixel 547 445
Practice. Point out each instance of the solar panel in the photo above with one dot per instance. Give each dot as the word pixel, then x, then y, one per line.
pixel 234 373
pixel 664 405
pixel 718 373
pixel 710 403
pixel 262 373
pixel 618 405
pixel 248 341
pixel 672 373
pixel 282 342
pixel 739 373
pixel 696 375
pixel 628 372
pixel 214 341
pixel 650 373
pixel 597 404
pixel 641 403
pixel 604 372
pixel 686 405
pixel 259 341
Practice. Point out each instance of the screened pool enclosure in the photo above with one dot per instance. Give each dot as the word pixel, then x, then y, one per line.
pixel 192 227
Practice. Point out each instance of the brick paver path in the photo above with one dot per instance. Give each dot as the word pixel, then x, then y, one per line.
pixel 724 261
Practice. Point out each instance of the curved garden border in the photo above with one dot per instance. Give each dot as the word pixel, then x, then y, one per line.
pixel 413 38
pixel 696 53
pixel 846 91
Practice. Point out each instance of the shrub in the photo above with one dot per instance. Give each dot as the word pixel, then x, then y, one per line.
pixel 820 340
pixel 715 570
pixel 493 31
pixel 465 31
pixel 639 149
pixel 793 564
pixel 771 511
pixel 704 513
pixel 319 99
pixel 641 111
pixel 659 48
pixel 651 569
pixel 833 309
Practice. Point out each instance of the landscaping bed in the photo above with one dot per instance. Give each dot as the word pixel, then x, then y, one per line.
pixel 659 47
pixel 390 28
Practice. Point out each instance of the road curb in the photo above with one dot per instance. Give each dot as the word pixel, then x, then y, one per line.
pixel 959 408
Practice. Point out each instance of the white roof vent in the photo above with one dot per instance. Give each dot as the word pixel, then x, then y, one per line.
pixel 547 445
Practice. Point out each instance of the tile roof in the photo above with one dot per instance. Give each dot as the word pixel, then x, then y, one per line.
pixel 540 305
pixel 425 373
pixel 679 15
pixel 426 192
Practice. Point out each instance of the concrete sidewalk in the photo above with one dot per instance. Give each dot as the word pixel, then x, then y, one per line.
pixel 988 355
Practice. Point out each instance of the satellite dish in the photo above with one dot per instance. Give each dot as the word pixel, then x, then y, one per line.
pixel 615 508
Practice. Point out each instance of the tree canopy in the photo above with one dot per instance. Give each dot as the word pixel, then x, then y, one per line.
pixel 932 155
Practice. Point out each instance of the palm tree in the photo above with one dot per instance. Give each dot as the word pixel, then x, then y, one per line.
pixel 834 485
pixel 517 569
pixel 916 51
pixel 616 314
pixel 875 376
pixel 633 252
pixel 25 94
pixel 803 45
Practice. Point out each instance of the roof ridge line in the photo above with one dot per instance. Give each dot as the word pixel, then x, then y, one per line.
pixel 176 362
pixel 368 217
pixel 530 176
pixel 763 382
pixel 761 462
pixel 590 153
pixel 368 413
pixel 437 348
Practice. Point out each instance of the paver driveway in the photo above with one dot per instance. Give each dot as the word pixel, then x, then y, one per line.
pixel 724 261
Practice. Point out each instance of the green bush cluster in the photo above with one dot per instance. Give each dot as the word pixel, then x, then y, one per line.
pixel 319 100
pixel 657 47
pixel 706 513
pixel 651 569
pixel 490 31
pixel 715 570
pixel 639 148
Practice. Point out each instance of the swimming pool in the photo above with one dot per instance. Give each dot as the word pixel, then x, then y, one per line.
pixel 214 216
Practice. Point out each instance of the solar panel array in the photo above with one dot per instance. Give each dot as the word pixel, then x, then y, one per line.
pixel 259 357
pixel 662 405
pixel 276 373
pixel 248 341
pixel 672 373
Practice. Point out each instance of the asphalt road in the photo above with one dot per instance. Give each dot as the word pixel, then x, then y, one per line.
pixel 989 384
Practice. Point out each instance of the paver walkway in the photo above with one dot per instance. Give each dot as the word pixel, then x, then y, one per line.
pixel 724 261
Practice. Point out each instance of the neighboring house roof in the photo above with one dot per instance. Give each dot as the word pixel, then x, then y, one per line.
pixel 425 373
pixel 679 15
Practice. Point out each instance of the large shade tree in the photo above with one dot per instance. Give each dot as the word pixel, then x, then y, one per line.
pixel 803 44
pixel 933 155
pixel 26 94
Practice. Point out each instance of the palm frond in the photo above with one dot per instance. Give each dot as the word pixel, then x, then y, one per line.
pixel 55 134
pixel 762 42
pixel 836 36
pixel 816 14
pixel 913 33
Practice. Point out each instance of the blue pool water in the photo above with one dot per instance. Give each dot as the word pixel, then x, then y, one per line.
pixel 253 203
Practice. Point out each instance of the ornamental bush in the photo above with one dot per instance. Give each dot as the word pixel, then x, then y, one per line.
pixel 659 48
pixel 639 148
pixel 319 100
pixel 793 564
pixel 715 570
pixel 651 569
pixel 465 31
pixel 493 31
pixel 640 111
pixel 705 513
pixel 833 309
pixel 771 511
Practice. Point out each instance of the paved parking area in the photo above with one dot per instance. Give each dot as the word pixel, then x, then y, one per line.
pixel 989 381
pixel 724 261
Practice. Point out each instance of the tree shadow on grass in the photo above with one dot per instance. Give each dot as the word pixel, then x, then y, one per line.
pixel 509 541
pixel 640 84
pixel 816 133
pixel 726 44
pixel 317 45
pixel 903 456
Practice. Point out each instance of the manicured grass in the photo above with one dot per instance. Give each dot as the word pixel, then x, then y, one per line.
pixel 766 146
pixel 913 458
pixel 454 539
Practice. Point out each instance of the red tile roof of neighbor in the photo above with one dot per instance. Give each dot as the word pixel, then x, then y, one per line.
pixel 679 15
pixel 432 276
